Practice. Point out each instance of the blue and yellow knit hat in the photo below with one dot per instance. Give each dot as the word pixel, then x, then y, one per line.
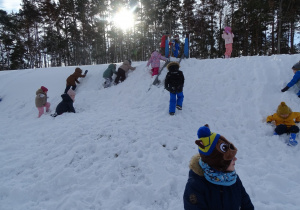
pixel 209 140
pixel 215 149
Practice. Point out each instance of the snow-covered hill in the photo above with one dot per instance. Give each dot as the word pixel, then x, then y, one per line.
pixel 122 150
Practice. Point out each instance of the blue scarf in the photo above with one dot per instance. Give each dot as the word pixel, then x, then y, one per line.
pixel 218 177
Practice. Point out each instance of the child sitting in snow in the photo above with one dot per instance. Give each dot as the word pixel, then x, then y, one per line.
pixel 174 84
pixel 295 79
pixel 155 61
pixel 73 79
pixel 285 120
pixel 66 105
pixel 41 100
pixel 108 73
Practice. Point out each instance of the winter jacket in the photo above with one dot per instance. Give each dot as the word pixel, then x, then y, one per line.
pixel 66 105
pixel 228 37
pixel 74 77
pixel 126 66
pixel 163 41
pixel 155 59
pixel 174 81
pixel 202 194
pixel 175 48
pixel 108 73
pixel 41 98
pixel 289 121
pixel 295 79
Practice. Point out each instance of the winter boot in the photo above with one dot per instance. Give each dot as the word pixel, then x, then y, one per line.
pixel 179 107
pixel 172 113
pixel 292 140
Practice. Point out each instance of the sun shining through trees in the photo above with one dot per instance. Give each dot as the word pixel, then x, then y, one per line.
pixel 124 19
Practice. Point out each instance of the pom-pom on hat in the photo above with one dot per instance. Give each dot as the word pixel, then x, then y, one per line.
pixel 173 66
pixel 296 66
pixel 44 89
pixel 283 109
pixel 214 149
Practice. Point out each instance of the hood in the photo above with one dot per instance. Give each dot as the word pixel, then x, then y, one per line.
pixel 126 62
pixel 155 54
pixel 112 66
pixel 194 165
pixel 40 91
pixel 66 98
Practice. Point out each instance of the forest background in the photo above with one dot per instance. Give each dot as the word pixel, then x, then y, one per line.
pixel 48 33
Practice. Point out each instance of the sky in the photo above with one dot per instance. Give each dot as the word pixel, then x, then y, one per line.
pixel 122 149
pixel 10 5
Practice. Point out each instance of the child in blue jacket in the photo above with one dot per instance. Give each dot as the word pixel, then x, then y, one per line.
pixel 295 79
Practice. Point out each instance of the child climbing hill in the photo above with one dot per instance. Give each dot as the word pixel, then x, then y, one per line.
pixel 155 62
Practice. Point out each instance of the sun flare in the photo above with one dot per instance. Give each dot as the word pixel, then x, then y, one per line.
pixel 124 19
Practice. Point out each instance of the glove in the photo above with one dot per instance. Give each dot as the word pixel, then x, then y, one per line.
pixel 299 96
pixel 285 89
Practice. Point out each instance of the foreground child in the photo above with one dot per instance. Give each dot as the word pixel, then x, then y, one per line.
pixel 213 182
pixel 295 79
pixel 155 62
pixel 174 84
pixel 285 119
pixel 41 100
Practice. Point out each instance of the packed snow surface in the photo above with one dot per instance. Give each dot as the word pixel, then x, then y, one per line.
pixel 122 150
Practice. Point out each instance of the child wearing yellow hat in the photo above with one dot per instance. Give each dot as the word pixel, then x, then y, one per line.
pixel 285 120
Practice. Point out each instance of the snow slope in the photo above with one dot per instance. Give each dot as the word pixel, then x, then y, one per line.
pixel 122 150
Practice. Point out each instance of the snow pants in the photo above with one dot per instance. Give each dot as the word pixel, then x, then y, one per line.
pixel 69 86
pixel 107 82
pixel 228 50
pixel 41 109
pixel 175 99
pixel 155 71
pixel 281 129
pixel 121 76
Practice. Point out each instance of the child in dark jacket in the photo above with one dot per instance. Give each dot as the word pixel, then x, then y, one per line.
pixel 108 73
pixel 73 79
pixel 213 182
pixel 174 84
pixel 285 120
pixel 66 105
pixel 295 79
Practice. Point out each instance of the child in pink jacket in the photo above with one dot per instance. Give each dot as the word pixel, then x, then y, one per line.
pixel 228 37
pixel 155 62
